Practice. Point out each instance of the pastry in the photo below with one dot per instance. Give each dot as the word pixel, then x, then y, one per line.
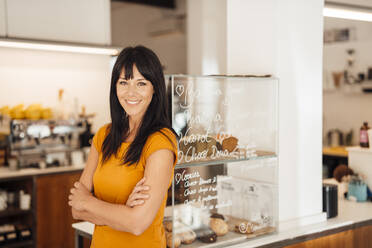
pixel 229 144
pixel 169 237
pixel 219 226
pixel 206 146
pixel 187 235
pixel 185 148
pixel 244 227
pixel 218 216
pixel 206 235
pixel 219 146
pixel 168 225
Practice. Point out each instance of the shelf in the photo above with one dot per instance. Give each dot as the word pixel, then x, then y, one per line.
pixel 13 211
pixel 230 238
pixel 260 156
pixel 26 243
pixel 339 151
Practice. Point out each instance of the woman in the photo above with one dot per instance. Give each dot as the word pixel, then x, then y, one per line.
pixel 139 143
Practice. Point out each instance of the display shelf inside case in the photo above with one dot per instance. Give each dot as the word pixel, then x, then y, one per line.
pixel 238 158
pixel 224 188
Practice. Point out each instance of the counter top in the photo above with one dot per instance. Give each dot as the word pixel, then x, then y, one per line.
pixel 351 215
pixel 358 149
pixel 6 173
pixel 338 151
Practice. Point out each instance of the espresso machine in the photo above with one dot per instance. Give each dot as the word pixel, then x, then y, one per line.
pixel 46 143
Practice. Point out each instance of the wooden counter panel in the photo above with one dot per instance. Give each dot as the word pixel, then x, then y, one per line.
pixel 356 238
pixel 363 237
pixel 53 214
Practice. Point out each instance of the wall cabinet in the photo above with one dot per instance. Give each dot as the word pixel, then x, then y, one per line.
pixel 77 21
pixel 2 18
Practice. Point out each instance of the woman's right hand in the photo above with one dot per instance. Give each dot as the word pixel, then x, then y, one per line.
pixel 138 195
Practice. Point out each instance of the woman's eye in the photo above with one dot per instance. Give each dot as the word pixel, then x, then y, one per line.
pixel 141 83
pixel 123 83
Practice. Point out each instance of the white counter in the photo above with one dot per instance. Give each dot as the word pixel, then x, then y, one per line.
pixel 7 173
pixel 349 213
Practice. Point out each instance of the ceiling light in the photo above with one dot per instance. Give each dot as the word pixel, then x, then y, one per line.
pixel 58 47
pixel 345 11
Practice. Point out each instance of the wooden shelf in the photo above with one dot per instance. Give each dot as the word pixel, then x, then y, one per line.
pixel 339 151
pixel 13 211
pixel 26 243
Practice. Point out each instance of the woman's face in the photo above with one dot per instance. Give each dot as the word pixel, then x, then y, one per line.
pixel 134 94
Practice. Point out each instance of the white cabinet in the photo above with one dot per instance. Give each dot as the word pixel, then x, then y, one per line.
pixel 82 21
pixel 360 161
pixel 2 19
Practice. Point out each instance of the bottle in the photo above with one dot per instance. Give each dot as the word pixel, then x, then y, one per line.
pixel 60 108
pixel 363 138
pixel 350 75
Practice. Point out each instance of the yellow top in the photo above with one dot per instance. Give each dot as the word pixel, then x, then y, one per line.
pixel 114 182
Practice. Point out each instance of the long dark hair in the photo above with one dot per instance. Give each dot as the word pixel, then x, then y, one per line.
pixel 156 116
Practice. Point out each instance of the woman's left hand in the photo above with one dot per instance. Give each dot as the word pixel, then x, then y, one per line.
pixel 79 196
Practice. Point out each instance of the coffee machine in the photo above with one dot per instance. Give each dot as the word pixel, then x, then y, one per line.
pixel 46 143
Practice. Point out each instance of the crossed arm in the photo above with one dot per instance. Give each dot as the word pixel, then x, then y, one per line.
pixel 136 220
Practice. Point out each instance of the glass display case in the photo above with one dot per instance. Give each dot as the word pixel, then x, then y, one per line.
pixel 225 187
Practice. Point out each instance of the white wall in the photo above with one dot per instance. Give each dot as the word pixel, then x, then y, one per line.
pixel 30 76
pixel 131 24
pixel 335 55
pixel 341 109
pixel 251 48
pixel 299 68
pixel 288 44
pixel 206 39
pixel 283 38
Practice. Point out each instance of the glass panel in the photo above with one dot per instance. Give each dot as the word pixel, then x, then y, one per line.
pixel 221 118
pixel 225 183
pixel 212 205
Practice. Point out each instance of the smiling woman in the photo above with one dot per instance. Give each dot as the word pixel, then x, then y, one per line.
pixel 134 94
pixel 138 147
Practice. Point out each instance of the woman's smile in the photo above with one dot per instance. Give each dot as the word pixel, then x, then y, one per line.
pixel 133 102
pixel 134 94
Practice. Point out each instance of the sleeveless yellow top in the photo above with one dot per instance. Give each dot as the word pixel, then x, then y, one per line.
pixel 113 183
